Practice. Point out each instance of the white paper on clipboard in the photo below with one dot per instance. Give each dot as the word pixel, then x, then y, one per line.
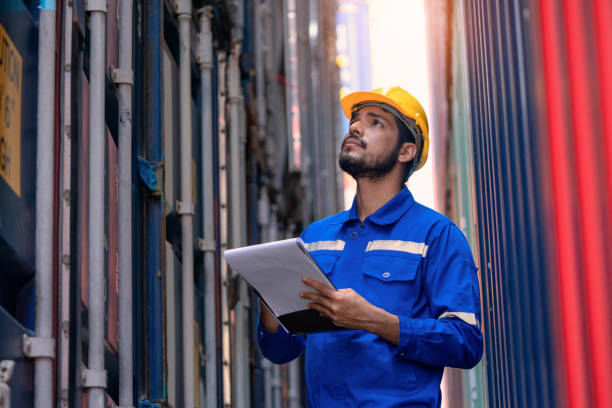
pixel 275 271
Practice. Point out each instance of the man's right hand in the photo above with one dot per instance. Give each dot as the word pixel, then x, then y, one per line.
pixel 267 319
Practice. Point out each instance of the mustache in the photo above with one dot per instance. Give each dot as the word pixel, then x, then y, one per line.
pixel 361 142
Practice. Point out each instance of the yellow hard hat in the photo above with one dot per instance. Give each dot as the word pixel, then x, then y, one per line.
pixel 401 100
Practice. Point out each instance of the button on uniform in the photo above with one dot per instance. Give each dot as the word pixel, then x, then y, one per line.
pixel 354 234
pixel 386 275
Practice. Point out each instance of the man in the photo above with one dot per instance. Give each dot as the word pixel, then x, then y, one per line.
pixel 407 284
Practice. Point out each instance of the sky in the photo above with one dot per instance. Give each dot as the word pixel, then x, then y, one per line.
pixel 399 57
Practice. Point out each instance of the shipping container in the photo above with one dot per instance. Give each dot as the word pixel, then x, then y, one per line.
pixel 521 93
pixel 253 193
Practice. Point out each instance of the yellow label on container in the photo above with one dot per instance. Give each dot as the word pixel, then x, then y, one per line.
pixel 11 68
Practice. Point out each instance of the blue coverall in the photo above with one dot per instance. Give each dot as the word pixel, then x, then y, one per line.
pixel 410 261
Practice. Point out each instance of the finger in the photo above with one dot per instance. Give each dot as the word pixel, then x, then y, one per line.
pixel 320 287
pixel 321 309
pixel 326 313
pixel 316 298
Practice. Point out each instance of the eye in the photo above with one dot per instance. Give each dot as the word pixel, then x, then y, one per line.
pixel 377 123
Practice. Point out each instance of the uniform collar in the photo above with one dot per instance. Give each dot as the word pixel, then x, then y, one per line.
pixel 388 213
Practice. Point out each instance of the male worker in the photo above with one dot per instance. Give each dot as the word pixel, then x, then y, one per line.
pixel 407 285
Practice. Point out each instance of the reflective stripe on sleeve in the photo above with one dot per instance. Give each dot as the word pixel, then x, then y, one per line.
pixel 418 248
pixel 324 245
pixel 469 318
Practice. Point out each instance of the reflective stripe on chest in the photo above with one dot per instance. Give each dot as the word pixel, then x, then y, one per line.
pixel 418 248
pixel 325 246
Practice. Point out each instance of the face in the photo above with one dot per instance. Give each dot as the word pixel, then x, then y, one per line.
pixel 372 147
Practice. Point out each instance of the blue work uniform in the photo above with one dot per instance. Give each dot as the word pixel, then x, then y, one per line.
pixel 410 261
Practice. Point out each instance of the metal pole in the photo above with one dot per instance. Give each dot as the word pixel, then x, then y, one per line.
pixel 319 175
pixel 223 217
pixel 237 210
pixel 292 93
pixel 267 380
pixel 277 385
pixel 64 279
pixel 294 384
pixel 264 222
pixel 241 362
pixel 185 207
pixel 124 77
pixel 278 151
pixel 276 381
pixel 261 47
pixel 205 58
pixel 95 376
pixel 43 364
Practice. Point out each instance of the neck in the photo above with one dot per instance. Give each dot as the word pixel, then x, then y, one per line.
pixel 371 195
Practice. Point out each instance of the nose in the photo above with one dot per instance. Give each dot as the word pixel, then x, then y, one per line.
pixel 355 129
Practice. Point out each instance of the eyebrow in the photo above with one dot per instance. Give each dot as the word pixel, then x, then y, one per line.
pixel 376 115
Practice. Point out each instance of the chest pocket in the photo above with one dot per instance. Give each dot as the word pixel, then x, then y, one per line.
pixel 326 260
pixel 390 279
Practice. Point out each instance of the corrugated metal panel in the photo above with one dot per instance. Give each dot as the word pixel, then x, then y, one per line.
pixel 510 212
pixel 454 161
pixel 153 321
pixel 540 88
pixel 574 38
pixel 514 273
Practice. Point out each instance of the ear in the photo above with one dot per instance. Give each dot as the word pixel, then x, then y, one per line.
pixel 407 152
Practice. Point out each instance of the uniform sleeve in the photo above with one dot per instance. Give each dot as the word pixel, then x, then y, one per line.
pixel 280 347
pixel 452 337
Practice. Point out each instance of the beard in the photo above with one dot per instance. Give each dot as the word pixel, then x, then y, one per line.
pixel 358 167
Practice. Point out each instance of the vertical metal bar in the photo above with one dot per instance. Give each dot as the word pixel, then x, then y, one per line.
pixel 241 375
pixel 43 366
pixel 276 381
pixel 295 397
pixel 205 54
pixel 277 384
pixel 261 45
pixel 223 220
pixel 267 382
pixel 183 10
pixel 320 202
pixel 292 91
pixel 277 148
pixel 97 138
pixel 124 95
pixel 305 123
pixel 264 223
pixel 64 278
pixel 151 125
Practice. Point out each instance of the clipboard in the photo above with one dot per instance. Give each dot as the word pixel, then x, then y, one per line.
pixel 274 270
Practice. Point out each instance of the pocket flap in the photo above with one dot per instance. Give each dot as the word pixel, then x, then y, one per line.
pixel 390 267
pixel 325 260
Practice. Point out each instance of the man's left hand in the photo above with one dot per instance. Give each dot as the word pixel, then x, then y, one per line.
pixel 346 308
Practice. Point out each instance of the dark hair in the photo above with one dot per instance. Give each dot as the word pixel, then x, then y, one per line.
pixel 406 136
